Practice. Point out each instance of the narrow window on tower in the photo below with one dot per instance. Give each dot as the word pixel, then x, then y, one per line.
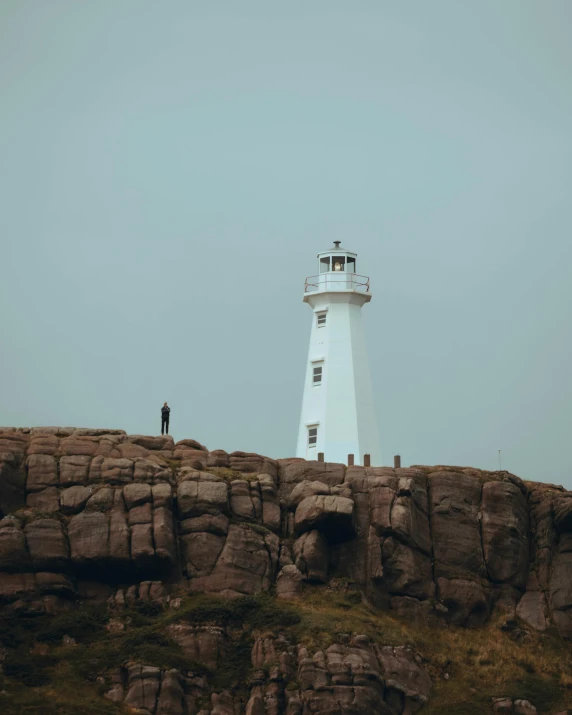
pixel 321 319
pixel 317 375
pixel 312 436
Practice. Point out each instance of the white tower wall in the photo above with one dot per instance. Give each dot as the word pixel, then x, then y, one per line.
pixel 341 406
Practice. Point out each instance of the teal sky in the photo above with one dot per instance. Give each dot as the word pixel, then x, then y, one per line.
pixel 170 170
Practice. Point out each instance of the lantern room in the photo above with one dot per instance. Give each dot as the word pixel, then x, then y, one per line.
pixel 337 260
pixel 337 272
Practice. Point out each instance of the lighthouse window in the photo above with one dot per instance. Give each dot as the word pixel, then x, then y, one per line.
pixel 321 318
pixel 338 263
pixel 312 436
pixel 351 265
pixel 324 264
pixel 317 376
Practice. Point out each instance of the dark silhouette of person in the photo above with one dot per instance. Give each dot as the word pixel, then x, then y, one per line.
pixel 165 411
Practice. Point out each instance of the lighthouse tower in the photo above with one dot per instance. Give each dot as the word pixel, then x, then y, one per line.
pixel 338 417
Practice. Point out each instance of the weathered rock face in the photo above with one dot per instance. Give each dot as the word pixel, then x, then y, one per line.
pixel 131 507
pixel 358 677
pixel 102 515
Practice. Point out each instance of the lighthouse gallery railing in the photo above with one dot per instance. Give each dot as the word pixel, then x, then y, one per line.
pixel 337 281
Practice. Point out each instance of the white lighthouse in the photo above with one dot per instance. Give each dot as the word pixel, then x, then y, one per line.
pixel 338 417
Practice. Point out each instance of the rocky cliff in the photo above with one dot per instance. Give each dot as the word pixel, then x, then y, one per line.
pixel 173 579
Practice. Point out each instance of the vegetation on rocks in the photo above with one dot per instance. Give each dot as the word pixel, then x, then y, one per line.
pixel 45 672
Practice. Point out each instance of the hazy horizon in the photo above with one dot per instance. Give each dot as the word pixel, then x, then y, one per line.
pixel 170 172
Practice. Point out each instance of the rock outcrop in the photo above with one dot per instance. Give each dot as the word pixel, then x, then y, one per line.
pixel 99 515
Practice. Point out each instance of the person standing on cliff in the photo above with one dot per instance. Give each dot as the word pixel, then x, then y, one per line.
pixel 165 411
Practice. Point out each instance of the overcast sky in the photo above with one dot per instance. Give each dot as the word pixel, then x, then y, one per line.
pixel 169 171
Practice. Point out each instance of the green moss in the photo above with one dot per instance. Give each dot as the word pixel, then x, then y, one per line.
pixel 29 669
pixel 174 466
pixel 85 624
pixel 260 611
pixel 230 475
pixel 16 629
pixel 147 609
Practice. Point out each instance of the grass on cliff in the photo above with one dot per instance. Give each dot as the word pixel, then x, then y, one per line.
pixel 468 667
pixel 43 675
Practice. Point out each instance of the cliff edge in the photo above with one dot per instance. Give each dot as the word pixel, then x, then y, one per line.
pixel 234 583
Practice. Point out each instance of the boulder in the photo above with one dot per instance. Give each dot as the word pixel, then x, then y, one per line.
pixel 293 471
pixel 190 444
pixel 102 499
pixel 406 571
pixel 200 552
pixel 152 443
pixel 218 458
pixel 73 499
pixel 162 495
pixel 119 539
pixel 145 470
pixel 306 489
pixel 245 566
pixel 217 525
pixel 171 695
pixel 129 450
pixel 48 545
pixel 43 444
pixel 42 472
pixel 164 535
pixel 137 494
pixel 289 582
pixel 141 514
pixel 116 471
pixel 271 514
pixel 142 548
pixel 381 500
pixel 241 503
pixel 88 534
pixel 79 445
pixel 14 442
pixel 402 673
pixel 196 498
pixel 560 589
pixel 532 609
pixel 47 501
pixel 503 705
pixel 252 463
pixel 74 469
pixel 409 520
pixel 466 601
pixel 311 556
pixel 332 515
pixel 143 687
